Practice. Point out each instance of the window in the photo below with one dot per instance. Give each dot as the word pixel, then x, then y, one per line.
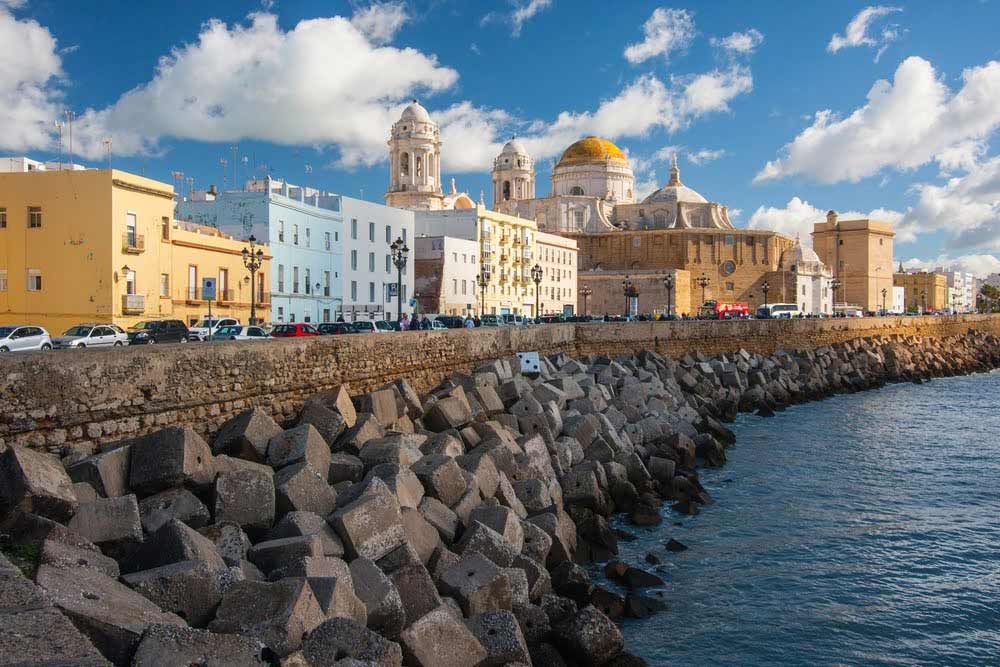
pixel 223 285
pixel 192 281
pixel 281 277
pixel 281 313
pixel 371 292
pixel 371 232
pixel 388 263
pixel 840 242
pixel 354 260
pixel 34 280
pixel 730 239
pixel 326 314
pixel 3 218
pixel 388 233
pixel 326 240
pixel 354 229
pixel 404 234
pixel 371 262
pixel 730 286
pixel 308 239
pixel 129 282
pixel 295 280
pixel 130 229
pixel 295 234
pixel 281 231
pixel 326 286
pixel 454 257
pixel 576 190
pixel 454 285
pixel 165 228
pixel 164 284
pixel 308 283
pixel 578 218
pixel 464 288
pixel 336 237
pixel 803 290
pixel 354 290
pixel 34 217
pixel 3 280
pixel 292 318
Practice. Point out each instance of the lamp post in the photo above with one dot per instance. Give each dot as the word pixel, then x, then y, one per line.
pixel 835 285
pixel 885 291
pixel 668 285
pixel 399 252
pixel 536 277
pixel 253 259
pixel 585 291
pixel 703 282
pixel 627 291
pixel 923 301
pixel 765 287
pixel 483 280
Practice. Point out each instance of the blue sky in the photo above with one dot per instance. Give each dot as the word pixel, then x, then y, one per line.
pixel 779 110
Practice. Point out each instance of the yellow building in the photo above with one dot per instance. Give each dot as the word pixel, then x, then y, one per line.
pixel 923 291
pixel 860 254
pixel 100 245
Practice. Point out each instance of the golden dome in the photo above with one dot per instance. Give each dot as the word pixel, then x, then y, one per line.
pixel 592 149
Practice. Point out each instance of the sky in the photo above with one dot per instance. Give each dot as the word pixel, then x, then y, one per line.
pixel 779 110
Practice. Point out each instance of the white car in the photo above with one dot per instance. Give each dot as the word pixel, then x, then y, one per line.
pixel 438 326
pixel 200 330
pixel 239 332
pixel 24 339
pixel 365 326
pixel 91 335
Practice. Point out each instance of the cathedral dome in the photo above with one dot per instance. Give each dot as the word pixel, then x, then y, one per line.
pixel 674 190
pixel 415 112
pixel 592 150
pixel 798 254
pixel 514 147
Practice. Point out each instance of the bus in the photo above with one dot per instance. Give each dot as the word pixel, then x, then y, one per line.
pixel 778 311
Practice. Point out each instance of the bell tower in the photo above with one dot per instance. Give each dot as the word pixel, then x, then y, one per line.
pixel 415 161
pixel 513 176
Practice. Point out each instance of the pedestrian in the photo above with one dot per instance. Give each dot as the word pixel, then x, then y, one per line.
pixel 469 323
pixel 425 323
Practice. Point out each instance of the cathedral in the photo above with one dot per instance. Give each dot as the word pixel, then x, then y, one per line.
pixel 627 248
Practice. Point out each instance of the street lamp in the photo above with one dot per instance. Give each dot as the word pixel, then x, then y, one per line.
pixel 627 291
pixel 668 284
pixel 703 282
pixel 253 259
pixel 765 287
pixel 536 277
pixel 835 285
pixel 585 291
pixel 399 253
pixel 884 292
pixel 483 280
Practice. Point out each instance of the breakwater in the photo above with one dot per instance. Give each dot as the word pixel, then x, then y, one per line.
pixel 397 528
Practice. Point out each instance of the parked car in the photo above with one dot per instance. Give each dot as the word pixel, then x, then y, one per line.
pixel 335 329
pixel 158 331
pixel 451 321
pixel 438 326
pixel 514 320
pixel 294 330
pixel 24 339
pixel 385 326
pixel 778 311
pixel 240 332
pixel 201 329
pixel 92 335
pixel 493 321
pixel 364 326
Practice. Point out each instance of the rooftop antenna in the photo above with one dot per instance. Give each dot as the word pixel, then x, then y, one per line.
pixel 107 149
pixel 190 182
pixel 246 165
pixel 235 149
pixel 178 177
pixel 69 121
pixel 224 163
pixel 59 128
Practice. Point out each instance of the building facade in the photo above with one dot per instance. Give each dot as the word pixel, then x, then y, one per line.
pixel 101 245
pixel 557 257
pixel 445 275
pixel 923 291
pixel 964 288
pixel 804 281
pixel 860 254
pixel 304 229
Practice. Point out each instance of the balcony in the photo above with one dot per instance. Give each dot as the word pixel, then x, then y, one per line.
pixel 486 236
pixel 133 304
pixel 503 257
pixel 133 244
pixel 504 240
pixel 517 240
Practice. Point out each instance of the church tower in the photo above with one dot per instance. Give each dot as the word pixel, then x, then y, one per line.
pixel 415 162
pixel 513 177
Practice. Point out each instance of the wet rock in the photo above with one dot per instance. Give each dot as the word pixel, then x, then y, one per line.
pixel 638 605
pixel 674 546
pixel 609 602
pixel 635 578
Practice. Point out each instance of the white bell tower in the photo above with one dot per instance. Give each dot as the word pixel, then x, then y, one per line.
pixel 415 161
pixel 513 177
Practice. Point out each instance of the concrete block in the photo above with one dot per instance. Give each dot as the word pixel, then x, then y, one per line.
pixel 441 517
pixel 172 457
pixel 401 481
pixel 413 581
pixel 445 444
pixel 299 488
pixel 438 639
pixel 107 472
pixel 500 634
pixel 477 584
pixel 480 465
pixel 380 597
pixel 300 524
pixel 328 423
pixel 246 497
pixel 382 403
pixel 109 521
pixel 35 482
pixel 394 448
pixel 371 526
pixel 421 535
pixel 172 543
pixel 59 554
pixel 345 467
pixel 539 581
pixel 449 413
pixel 336 597
pixel 589 638
pixel 189 589
pixel 229 540
pixel 508 497
pixel 300 444
pixel 338 400
pixel 180 504
pixel 441 477
pixel 537 542
pixel 246 435
pixel 272 554
pixel 170 646
pixel 366 428
pixel 534 495
pixel 339 640
pixel 503 520
pixel 43 636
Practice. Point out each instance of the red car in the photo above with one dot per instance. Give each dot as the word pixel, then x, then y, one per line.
pixel 296 330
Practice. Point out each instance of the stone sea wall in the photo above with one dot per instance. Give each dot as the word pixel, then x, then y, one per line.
pixel 81 399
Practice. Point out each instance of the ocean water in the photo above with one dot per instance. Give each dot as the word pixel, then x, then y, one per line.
pixel 860 530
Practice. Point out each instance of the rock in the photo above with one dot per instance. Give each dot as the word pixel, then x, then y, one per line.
pixel 562 532
pixel 371 526
pixel 338 400
pixel 108 613
pixel 35 482
pixel 491 544
pixel 300 524
pixel 336 596
pixel 345 468
pixel 412 580
pixel 299 488
pixel 380 597
pixel 503 521
pixel 401 481
pixel 448 413
pixel 246 435
pixel 393 448
pixel 572 581
pixel 480 465
pixel 381 403
pixel 280 614
pixel 644 515
pixel 180 504
pixel 330 424
pixel 589 638
pixel 642 606
pixel 438 639
pixel 499 633
pixel 441 477
pixel 189 589
pixel 172 543
pixel 636 578
pixel 441 517
pixel 534 623
pixel 273 554
pixel 172 457
pixel 652 559
pixel 107 472
pixel 338 639
pixel 43 636
pixel 674 546
pixel 171 646
pixel 609 602
pixel 420 534
pixel 477 584
pixel 300 444
pixel 59 554
pixel 536 542
pixel 229 540
pixel 366 428
pixel 247 498
pixel 109 521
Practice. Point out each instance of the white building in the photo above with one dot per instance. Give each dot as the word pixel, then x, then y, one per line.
pixel 807 280
pixel 557 255
pixel 446 269
pixel 369 275
pixel 898 300
pixel 965 289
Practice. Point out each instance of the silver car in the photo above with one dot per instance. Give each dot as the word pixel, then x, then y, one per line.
pixel 92 335
pixel 24 339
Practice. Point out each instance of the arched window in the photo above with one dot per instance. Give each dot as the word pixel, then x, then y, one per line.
pixel 577 190
pixel 404 164
pixel 506 190
pixel 420 167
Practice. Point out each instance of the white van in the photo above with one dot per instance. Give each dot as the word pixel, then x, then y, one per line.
pixel 779 311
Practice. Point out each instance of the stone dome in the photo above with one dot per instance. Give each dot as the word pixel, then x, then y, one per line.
pixel 514 147
pixel 416 113
pixel 797 254
pixel 674 190
pixel 592 150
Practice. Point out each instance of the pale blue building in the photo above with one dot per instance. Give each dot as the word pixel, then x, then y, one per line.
pixel 304 228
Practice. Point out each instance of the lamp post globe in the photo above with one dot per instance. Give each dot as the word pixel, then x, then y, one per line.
pixel 765 288
pixel 399 253
pixel 585 292
pixel 536 277
pixel 253 259
pixel 628 291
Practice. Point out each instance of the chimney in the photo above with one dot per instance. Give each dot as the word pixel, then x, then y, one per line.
pixel 831 217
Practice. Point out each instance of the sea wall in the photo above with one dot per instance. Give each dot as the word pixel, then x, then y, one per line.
pixel 58 399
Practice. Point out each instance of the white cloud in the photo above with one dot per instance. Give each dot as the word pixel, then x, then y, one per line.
pixel 712 91
pixel 646 187
pixel 739 43
pixel 475 49
pixel 477 131
pixel 259 81
pixel 798 216
pixel 665 31
pixel 522 13
pixel 12 4
pixel 704 155
pixel 905 123
pixel 380 21
pixel 857 31
pixel 30 72
pixel 980 265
